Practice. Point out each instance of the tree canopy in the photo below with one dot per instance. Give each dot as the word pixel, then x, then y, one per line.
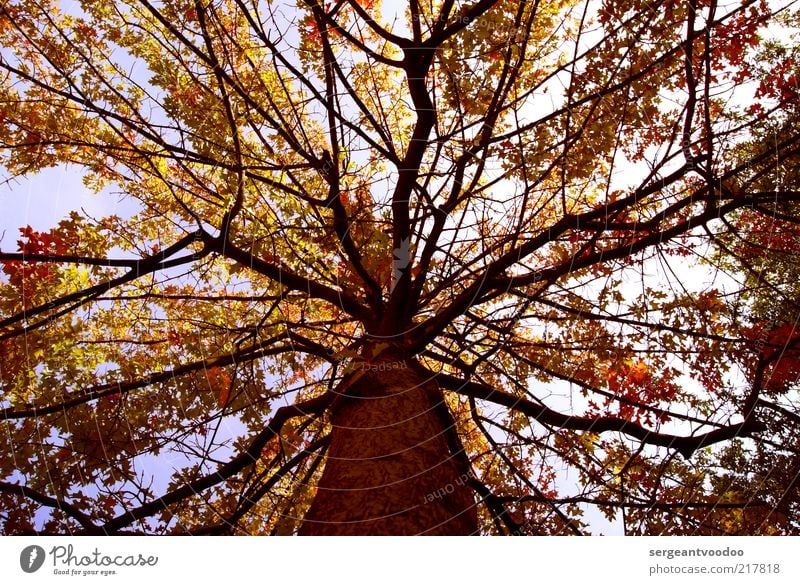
pixel 574 222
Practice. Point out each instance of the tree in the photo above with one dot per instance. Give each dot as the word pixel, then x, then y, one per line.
pixel 451 267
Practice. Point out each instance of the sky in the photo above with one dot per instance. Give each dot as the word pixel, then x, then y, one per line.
pixel 44 199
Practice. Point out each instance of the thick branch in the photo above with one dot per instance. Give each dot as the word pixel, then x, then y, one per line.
pixel 686 446
pixel 293 281
pixel 51 502
pixel 251 500
pixel 67 259
pixel 138 269
pixel 247 457
pixel 99 391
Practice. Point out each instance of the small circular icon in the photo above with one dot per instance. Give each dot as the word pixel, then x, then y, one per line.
pixel 31 558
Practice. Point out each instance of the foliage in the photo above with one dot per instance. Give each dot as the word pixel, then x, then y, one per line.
pixel 576 216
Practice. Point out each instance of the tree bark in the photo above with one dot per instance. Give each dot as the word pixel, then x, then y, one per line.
pixel 389 469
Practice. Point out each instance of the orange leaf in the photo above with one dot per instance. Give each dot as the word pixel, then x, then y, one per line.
pixel 220 382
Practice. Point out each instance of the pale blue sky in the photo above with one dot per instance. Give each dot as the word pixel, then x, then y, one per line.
pixel 42 200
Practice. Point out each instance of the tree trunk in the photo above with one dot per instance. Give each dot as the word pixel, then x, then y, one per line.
pixel 389 469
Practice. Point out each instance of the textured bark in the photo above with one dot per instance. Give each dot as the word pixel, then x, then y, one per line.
pixel 389 469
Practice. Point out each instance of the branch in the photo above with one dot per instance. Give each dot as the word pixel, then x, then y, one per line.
pixel 492 281
pixel 463 20
pixel 638 505
pixel 99 391
pixel 67 259
pixel 293 281
pixel 792 416
pixel 250 501
pixel 138 269
pixel 247 457
pixel 568 522
pixel 686 446
pixel 51 502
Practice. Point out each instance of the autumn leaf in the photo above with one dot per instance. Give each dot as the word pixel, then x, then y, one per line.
pixel 219 381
